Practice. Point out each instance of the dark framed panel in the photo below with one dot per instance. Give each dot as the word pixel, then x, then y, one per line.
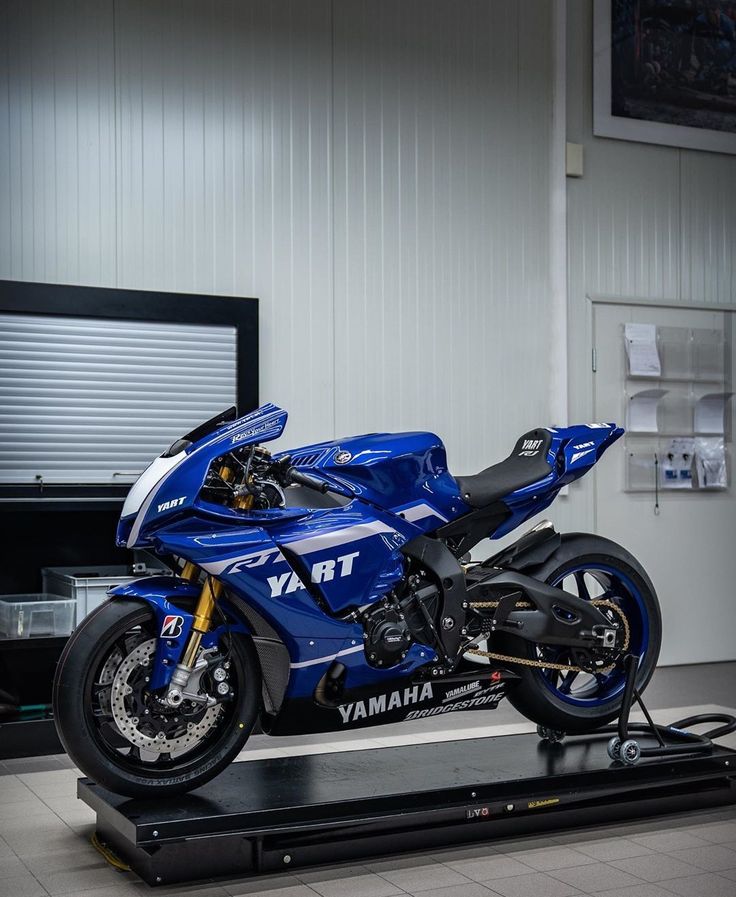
pixel 133 305
pixel 70 524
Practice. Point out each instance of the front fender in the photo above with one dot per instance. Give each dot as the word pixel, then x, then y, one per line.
pixel 157 588
pixel 165 595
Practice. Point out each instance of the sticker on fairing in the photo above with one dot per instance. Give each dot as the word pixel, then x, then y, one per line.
pixel 172 626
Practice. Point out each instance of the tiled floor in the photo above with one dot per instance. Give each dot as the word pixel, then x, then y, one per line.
pixel 45 847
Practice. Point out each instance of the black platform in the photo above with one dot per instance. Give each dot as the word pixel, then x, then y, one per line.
pixel 264 815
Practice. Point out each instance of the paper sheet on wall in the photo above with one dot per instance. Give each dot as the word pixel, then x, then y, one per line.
pixel 642 416
pixel 641 349
pixel 710 412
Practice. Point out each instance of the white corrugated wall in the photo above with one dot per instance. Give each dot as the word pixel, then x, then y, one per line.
pixel 375 172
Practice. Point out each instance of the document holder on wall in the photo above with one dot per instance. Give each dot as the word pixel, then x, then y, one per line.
pixel 678 421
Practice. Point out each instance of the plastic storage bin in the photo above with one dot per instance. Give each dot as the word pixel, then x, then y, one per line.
pixel 87 586
pixel 36 615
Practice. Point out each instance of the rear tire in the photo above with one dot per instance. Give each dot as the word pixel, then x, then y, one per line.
pixel 534 695
pixel 80 732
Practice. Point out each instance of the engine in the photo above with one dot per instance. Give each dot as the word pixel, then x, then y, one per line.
pixel 405 616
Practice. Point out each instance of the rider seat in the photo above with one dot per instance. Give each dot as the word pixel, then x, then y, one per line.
pixel 525 465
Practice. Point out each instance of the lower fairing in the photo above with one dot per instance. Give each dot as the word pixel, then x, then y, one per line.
pixel 397 701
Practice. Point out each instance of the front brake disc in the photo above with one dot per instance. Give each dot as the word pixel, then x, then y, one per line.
pixel 130 725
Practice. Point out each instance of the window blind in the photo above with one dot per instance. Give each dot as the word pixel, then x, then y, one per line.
pixel 93 400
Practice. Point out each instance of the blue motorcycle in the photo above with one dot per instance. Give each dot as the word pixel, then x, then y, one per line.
pixel 331 588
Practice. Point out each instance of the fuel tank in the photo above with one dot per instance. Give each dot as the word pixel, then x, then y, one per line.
pixel 391 470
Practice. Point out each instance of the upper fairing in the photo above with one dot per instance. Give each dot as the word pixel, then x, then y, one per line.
pixel 171 485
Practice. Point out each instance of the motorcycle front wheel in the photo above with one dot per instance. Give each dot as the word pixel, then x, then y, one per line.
pixel 594 569
pixel 120 734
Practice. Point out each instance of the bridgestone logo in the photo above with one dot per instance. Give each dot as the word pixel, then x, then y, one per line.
pixel 450 708
pixel 385 703
pixel 172 626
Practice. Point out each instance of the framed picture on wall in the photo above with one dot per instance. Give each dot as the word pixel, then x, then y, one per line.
pixel 665 72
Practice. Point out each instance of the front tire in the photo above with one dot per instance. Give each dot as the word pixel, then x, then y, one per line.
pixel 551 699
pixel 97 745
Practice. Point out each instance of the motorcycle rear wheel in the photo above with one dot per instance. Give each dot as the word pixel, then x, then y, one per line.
pixel 94 740
pixel 571 702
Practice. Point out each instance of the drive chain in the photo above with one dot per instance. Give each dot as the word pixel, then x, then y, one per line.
pixel 546 664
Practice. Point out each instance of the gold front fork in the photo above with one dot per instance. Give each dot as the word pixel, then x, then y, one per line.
pixel 202 616
pixel 189 571
pixel 210 594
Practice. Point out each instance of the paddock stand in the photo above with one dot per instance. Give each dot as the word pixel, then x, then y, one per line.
pixel 671 740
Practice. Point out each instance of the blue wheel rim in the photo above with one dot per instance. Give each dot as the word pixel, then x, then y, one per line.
pixel 598 581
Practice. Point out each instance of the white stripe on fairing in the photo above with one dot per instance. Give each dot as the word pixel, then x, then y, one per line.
pixel 579 455
pixel 155 490
pixel 413 513
pixel 152 475
pixel 336 537
pixel 216 567
pixel 311 663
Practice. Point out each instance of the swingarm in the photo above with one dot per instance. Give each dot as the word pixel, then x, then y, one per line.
pixel 517 604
